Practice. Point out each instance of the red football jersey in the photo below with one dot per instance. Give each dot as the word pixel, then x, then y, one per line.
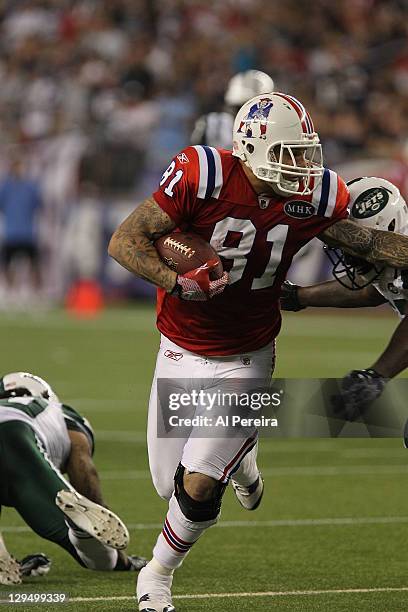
pixel 205 191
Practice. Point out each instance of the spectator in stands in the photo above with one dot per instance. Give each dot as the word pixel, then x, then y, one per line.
pixel 20 203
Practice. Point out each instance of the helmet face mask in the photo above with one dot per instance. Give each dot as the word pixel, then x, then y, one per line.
pixel 22 384
pixel 292 178
pixel 271 133
pixel 351 272
pixel 375 203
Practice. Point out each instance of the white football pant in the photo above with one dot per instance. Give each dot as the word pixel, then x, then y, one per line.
pixel 217 457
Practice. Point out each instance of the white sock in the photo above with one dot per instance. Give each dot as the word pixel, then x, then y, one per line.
pixel 178 536
pixel 248 471
pixel 94 554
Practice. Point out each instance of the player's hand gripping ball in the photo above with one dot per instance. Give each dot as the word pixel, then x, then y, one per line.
pixel 198 266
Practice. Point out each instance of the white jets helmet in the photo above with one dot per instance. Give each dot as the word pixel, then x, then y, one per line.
pixel 246 85
pixel 375 203
pixel 271 128
pixel 17 384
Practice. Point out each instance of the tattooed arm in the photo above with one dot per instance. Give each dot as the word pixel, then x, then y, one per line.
pixel 132 244
pixel 370 244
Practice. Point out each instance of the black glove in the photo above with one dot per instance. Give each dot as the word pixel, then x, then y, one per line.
pixel 130 563
pixel 136 563
pixel 406 435
pixel 35 565
pixel 289 297
pixel 359 388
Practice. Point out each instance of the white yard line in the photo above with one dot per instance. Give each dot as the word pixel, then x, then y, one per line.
pixel 256 594
pixel 310 522
pixel 267 446
pixel 121 436
pixel 276 447
pixel 325 470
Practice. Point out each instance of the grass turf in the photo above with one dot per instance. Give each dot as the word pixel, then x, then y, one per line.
pixel 103 368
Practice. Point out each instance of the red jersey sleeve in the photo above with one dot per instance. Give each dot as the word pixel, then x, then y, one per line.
pixel 178 187
pixel 342 200
pixel 331 198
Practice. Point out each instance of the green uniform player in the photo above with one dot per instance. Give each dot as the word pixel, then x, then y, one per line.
pixel 42 439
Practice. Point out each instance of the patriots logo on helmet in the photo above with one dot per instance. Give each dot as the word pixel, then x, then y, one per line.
pixel 257 114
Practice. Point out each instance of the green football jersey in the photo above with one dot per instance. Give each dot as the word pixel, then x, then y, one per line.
pixel 46 418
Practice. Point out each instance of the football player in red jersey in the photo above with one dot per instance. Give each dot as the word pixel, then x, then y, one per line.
pixel 257 205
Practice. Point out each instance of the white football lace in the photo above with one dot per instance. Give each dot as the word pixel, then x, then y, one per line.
pixel 179 246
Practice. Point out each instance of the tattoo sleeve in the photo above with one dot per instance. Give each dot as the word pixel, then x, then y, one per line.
pixel 373 245
pixel 132 244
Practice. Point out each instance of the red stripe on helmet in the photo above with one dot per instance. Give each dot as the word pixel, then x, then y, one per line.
pixel 305 114
pixel 305 119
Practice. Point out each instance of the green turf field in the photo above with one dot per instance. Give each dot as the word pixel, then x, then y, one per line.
pixel 331 533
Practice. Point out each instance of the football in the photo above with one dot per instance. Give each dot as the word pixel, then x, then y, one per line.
pixel 185 251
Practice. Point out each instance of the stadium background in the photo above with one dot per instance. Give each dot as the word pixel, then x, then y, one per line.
pixel 96 97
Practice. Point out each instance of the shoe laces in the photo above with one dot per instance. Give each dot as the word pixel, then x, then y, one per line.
pixel 241 489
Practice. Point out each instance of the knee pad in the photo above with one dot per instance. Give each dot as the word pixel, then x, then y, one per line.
pixel 193 510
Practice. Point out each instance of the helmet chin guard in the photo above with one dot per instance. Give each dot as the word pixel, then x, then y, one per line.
pixel 270 132
pixel 351 272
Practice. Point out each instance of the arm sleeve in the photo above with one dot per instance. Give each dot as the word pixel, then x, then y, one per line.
pixel 178 187
pixel 331 199
pixel 342 200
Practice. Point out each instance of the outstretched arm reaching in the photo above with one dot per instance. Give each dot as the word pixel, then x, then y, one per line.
pixel 394 359
pixel 332 294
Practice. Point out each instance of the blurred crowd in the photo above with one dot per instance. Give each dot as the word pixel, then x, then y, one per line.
pixel 97 95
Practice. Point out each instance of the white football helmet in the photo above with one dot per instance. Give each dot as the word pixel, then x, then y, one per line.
pixel 375 203
pixel 17 384
pixel 268 131
pixel 246 85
